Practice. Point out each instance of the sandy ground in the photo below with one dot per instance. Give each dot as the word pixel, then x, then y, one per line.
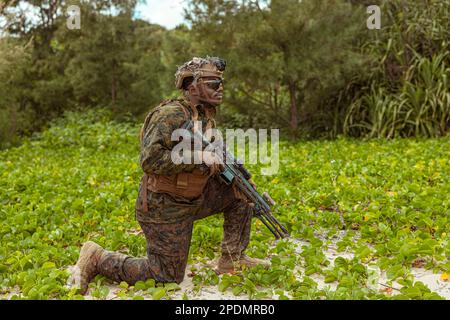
pixel 430 279
pixel 433 281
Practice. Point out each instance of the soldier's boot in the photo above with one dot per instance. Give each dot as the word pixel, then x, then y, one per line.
pixel 86 268
pixel 227 264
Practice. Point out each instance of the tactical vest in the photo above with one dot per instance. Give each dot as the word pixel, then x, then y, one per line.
pixel 188 185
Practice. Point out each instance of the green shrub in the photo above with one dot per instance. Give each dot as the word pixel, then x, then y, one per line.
pixel 408 92
pixel 79 181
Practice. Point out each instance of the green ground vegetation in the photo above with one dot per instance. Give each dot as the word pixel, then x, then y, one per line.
pixel 79 180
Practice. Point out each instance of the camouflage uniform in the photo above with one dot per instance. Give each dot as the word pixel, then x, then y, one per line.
pixel 169 221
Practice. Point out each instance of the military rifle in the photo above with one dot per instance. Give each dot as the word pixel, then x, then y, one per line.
pixel 235 172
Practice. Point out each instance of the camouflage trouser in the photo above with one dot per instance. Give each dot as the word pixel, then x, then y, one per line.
pixel 168 229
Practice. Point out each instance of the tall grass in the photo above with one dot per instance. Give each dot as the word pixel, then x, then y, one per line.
pixel 408 93
pixel 419 108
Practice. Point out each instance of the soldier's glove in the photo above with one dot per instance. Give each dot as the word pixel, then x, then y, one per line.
pixel 213 161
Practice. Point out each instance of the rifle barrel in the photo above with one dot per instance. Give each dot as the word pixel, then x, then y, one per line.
pixel 275 222
pixel 269 226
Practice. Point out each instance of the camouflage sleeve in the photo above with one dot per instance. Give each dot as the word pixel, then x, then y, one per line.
pixel 156 145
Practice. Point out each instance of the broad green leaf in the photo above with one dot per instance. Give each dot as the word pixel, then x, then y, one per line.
pixel 158 294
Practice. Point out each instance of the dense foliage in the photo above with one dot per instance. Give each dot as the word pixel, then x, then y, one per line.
pixel 79 180
pixel 408 91
pixel 310 68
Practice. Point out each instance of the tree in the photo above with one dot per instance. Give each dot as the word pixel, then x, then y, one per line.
pixel 113 60
pixel 281 49
pixel 14 116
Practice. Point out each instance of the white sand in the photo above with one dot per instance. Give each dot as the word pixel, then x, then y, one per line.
pixel 430 279
pixel 433 281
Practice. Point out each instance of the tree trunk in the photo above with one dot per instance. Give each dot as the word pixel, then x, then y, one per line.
pixel 294 108
pixel 113 91
pixel 113 86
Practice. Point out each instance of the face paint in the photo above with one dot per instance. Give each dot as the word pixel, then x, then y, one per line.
pixel 210 90
pixel 207 85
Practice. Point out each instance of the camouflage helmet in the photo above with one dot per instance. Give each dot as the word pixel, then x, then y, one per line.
pixel 198 68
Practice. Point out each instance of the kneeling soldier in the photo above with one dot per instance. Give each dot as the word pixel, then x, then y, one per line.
pixel 172 196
